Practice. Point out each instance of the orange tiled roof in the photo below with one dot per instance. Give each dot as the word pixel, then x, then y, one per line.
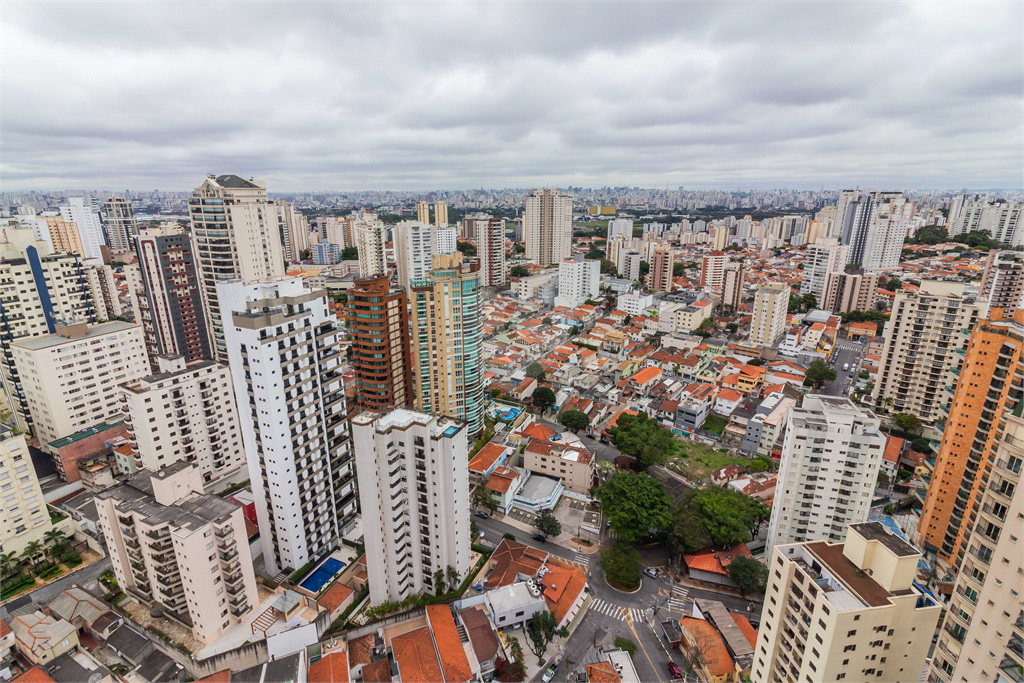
pixel 334 596
pixel 501 479
pixel 332 668
pixel 893 448
pixel 646 375
pixel 715 560
pixel 602 672
pixel 510 559
pixel 4 628
pixel 37 675
pixel 538 431
pixel 415 656
pixel 730 395
pixel 449 646
pixel 746 627
pixel 486 457
pixel 563 584
pixel 712 646
pixel 360 650
pixel 377 672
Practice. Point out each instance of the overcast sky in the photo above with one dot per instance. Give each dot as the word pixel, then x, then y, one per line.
pixel 426 95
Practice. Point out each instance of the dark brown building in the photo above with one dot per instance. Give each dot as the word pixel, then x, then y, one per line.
pixel 378 323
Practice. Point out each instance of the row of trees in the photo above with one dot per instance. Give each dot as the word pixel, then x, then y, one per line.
pixel 52 541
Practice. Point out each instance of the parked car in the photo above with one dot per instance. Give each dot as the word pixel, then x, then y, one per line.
pixel 674 671
pixel 550 673
pixel 539 538
pixel 482 515
pixel 653 573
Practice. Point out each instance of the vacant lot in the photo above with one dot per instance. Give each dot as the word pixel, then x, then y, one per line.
pixel 696 461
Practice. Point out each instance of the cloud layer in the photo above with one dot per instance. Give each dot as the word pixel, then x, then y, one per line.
pixel 435 95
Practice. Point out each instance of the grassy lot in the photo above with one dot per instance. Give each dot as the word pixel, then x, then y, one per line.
pixel 715 424
pixel 696 461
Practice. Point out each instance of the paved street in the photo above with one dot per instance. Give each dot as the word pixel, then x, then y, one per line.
pixel 37 599
pixel 847 352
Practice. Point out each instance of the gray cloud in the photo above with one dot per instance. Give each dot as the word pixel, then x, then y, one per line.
pixel 430 95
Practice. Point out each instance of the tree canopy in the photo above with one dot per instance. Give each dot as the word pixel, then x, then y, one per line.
pixel 349 254
pixel 534 370
pixel 548 525
pixel 466 248
pixel 622 566
pixel 519 271
pixel 543 398
pixel 728 516
pixel 820 373
pixel 641 437
pixel 635 505
pixel 574 420
pixel 907 422
pixel 749 574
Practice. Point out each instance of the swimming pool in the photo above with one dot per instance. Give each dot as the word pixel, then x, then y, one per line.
pixel 507 413
pixel 321 575
pixel 451 431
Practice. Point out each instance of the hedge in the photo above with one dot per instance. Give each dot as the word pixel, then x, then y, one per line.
pixel 301 572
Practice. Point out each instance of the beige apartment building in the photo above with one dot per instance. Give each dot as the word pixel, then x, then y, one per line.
pixel 440 214
pixel 574 466
pixel 371 235
pixel 447 348
pixel 64 235
pixel 294 229
pixel 547 226
pixel 928 333
pixel 105 298
pixel 982 638
pixel 235 228
pixel 1002 285
pixel 175 547
pixel 844 611
pixel 184 412
pixel 70 377
pixel 847 292
pixel 422 212
pixel 25 518
pixel 771 303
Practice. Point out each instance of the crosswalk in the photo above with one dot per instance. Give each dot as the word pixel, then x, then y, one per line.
pixel 616 612
pixel 581 560
pixel 677 599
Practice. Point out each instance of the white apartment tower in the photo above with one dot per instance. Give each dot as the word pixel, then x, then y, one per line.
pixel 1002 220
pixel 70 377
pixel 414 250
pixel 294 230
pixel 876 226
pixel 446 239
pixel 830 459
pixel 712 270
pixel 283 350
pixel 490 247
pixel 983 635
pixel 925 344
pixel 414 495
pixel 25 516
pixel 732 285
pixel 370 235
pixel 620 227
pixel 90 230
pixel 577 282
pixel 234 225
pixel 106 299
pixel 836 611
pixel 547 226
pixel 119 223
pixel 1002 285
pixel 173 546
pixel 825 256
pixel 771 303
pixel 185 412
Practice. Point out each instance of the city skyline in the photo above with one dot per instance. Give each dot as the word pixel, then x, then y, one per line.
pixel 578 95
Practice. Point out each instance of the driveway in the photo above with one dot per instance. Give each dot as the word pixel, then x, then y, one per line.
pixel 847 352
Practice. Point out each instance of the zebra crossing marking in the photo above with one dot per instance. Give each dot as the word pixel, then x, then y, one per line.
pixel 637 614
pixel 608 609
pixel 581 559
pixel 677 600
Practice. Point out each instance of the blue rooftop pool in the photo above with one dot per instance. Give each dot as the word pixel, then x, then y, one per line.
pixel 450 431
pixel 321 575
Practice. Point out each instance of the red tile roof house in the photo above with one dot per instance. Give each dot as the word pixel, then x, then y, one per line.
pixel 724 475
pixel 711 564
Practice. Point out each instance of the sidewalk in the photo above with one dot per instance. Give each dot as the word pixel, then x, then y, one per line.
pixel 563 540
pixel 717 588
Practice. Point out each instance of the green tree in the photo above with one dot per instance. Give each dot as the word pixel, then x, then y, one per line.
pixel 7 560
pixel 543 398
pixel 484 497
pixel 907 422
pixel 678 270
pixel 863 374
pixel 31 551
pixel 641 437
pixel 519 271
pixel 496 392
pixel 794 303
pixel 519 248
pixel 542 629
pixel 349 254
pixel 574 420
pixel 534 370
pixel 622 566
pixel 626 645
pixel 645 268
pixel 688 534
pixel 439 582
pixel 608 267
pixel 635 505
pixel 731 518
pixel 760 464
pixel 749 574
pixel 594 254
pixel 548 525
pixel 453 579
pixel 808 301
pixel 305 255
pixel 819 372
pixel 893 284
pixel 466 248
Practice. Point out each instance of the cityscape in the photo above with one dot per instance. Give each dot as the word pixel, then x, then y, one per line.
pixel 463 342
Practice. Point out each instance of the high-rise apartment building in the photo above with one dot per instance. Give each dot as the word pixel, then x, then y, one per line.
pixel 440 214
pixel 847 292
pixel 712 270
pixel 1002 285
pixel 830 459
pixel 1002 220
pixel 378 328
pixel 90 230
pixel 284 355
pixel 414 496
pixel 629 265
pixel 876 226
pixel 447 351
pixel 234 225
pixel 662 261
pixel 165 290
pixel 177 548
pixel 184 412
pixel 771 303
pixel 578 281
pixel 824 257
pixel 473 224
pixel 842 221
pixel 983 635
pixel 927 335
pixel 721 237
pixel 414 250
pixel 423 211
pixel 64 236
pixel 105 297
pixel 547 226
pixel 826 217
pixel 26 518
pixel 70 377
pixel 732 285
pixel 119 223
pixel 988 392
pixel 37 291
pixel 332 229
pixel 620 227
pixel 614 247
pixel 294 230
pixel 836 611
pixel 446 239
pixel 371 235
pixel 490 247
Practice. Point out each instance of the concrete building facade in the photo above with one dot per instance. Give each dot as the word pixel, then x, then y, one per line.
pixel 578 281
pixel 370 235
pixel 119 223
pixel 824 257
pixel 490 247
pixel 732 285
pixel 90 230
pixel 378 326
pixel 662 261
pixel 547 226
pixel 847 292
pixel 414 250
pixel 768 324
pixel 1002 285
pixel 712 271
pixel 25 518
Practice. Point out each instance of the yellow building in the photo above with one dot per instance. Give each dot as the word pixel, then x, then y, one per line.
pixel 64 235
